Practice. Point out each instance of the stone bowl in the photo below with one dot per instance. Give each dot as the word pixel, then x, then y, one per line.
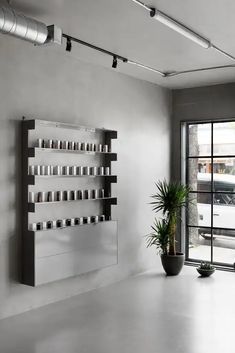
pixel 205 272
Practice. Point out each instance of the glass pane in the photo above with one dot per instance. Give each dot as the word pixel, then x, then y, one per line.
pixel 199 139
pixel 199 243
pixel 224 138
pixel 199 174
pixel 224 246
pixel 224 174
pixel 199 209
pixel 224 211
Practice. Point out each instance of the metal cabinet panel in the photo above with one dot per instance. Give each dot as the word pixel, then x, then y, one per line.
pixel 58 241
pixel 88 248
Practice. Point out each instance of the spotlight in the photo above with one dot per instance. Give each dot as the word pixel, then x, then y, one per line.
pixel 114 65
pixel 68 45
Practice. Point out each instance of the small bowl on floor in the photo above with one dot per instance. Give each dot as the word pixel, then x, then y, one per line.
pixel 205 272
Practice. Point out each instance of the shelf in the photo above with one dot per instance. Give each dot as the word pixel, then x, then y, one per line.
pixel 32 178
pixel 33 124
pixel 67 250
pixel 32 206
pixel 33 150
pixel 31 232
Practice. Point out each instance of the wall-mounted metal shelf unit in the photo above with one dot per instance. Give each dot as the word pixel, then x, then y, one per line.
pixel 51 254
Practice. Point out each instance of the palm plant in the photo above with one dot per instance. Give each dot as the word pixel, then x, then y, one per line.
pixel 159 236
pixel 170 198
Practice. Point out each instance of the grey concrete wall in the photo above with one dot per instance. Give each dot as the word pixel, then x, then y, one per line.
pixel 202 103
pixel 47 83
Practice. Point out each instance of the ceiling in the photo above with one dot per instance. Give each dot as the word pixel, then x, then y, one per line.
pixel 126 28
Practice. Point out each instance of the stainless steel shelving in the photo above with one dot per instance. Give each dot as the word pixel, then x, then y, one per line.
pixel 57 253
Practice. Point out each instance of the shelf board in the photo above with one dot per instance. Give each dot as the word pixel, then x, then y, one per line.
pixel 32 206
pixel 33 124
pixel 61 228
pixel 32 178
pixel 33 150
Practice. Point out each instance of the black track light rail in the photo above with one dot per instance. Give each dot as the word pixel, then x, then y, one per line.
pixel 92 46
pixel 116 57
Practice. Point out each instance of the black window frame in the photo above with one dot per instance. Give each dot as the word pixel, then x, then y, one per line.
pixel 185 157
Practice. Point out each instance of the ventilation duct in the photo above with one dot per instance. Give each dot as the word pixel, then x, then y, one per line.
pixel 22 27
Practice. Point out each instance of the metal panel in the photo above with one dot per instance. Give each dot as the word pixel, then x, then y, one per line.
pixel 72 251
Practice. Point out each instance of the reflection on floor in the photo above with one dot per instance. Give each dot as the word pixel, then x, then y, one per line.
pixel 150 313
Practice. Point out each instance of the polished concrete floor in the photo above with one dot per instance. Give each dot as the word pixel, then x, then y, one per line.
pixel 149 313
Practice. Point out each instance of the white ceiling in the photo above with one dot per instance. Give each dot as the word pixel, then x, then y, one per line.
pixel 125 28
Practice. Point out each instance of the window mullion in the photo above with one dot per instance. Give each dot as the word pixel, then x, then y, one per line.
pixel 212 187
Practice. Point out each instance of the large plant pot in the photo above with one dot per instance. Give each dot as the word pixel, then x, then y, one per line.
pixel 172 264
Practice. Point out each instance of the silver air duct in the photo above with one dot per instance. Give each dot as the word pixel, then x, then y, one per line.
pixel 22 27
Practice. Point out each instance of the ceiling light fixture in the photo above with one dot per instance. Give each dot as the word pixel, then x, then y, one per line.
pixel 175 25
pixel 38 33
pixel 180 28
pixel 114 64
pixel 115 56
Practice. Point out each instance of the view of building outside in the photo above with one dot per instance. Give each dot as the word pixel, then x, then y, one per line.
pixel 211 176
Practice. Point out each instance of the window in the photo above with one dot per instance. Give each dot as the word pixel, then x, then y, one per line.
pixel 210 173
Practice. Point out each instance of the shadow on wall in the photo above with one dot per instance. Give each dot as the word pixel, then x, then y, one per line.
pixel 15 180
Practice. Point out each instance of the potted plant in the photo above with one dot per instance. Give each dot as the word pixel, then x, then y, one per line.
pixel 159 236
pixel 170 198
pixel 205 269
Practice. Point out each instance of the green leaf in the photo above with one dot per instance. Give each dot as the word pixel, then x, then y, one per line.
pixel 160 236
pixel 170 198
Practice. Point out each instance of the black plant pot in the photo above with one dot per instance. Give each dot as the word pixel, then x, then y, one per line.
pixel 172 264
